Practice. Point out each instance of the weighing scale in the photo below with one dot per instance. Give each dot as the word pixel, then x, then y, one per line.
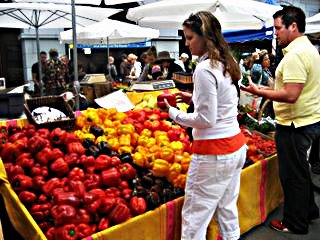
pixel 152 85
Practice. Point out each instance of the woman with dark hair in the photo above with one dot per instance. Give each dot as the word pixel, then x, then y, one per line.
pixel 260 73
pixel 151 56
pixel 219 148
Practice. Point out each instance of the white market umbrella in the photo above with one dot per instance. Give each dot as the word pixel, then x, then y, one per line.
pixel 91 2
pixel 110 31
pixel 117 32
pixel 313 24
pixel 49 15
pixel 232 14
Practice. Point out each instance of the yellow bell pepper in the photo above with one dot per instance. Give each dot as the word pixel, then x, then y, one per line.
pixel 108 123
pixel 159 133
pixel 125 140
pixel 146 132
pixel 160 168
pixel 125 149
pixel 89 136
pixel 139 159
pixel 120 116
pixel 155 150
pixel 162 138
pixel 81 121
pixel 151 142
pixel 102 138
pixel 125 129
pixel 174 171
pixel 143 140
pixel 110 132
pixel 114 143
pixel 167 154
pixel 176 145
pixel 185 162
pixel 79 133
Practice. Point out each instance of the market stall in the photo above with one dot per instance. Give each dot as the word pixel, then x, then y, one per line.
pixel 260 191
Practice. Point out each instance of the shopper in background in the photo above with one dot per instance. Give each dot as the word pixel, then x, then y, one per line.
pixel 151 56
pixel 168 66
pixel 111 70
pixel 296 104
pixel 124 67
pixel 35 73
pixel 183 62
pixel 69 77
pixel 219 149
pixel 55 74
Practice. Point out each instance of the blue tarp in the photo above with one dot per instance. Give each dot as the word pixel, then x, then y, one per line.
pixel 145 44
pixel 248 35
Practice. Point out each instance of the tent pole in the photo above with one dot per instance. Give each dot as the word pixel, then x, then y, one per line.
pixel 39 61
pixel 76 83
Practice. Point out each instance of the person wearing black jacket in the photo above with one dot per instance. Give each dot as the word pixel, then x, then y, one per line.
pixel 168 66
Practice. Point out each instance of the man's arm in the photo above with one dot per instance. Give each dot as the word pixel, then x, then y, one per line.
pixel 289 93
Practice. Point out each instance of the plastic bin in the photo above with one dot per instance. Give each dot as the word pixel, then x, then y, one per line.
pixel 11 104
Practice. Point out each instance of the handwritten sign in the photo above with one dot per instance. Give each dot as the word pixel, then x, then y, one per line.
pixel 118 100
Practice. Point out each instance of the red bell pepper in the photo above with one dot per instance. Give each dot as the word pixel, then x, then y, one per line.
pixel 104 223
pixel 27 197
pixel 10 152
pixel 37 143
pixel 98 191
pixel 71 159
pixel 91 202
pixel 50 233
pixel 57 136
pixel 92 181
pixel 38 170
pixel 76 174
pixel 40 212
pixel 45 226
pixel 112 192
pixel 38 182
pixel 171 98
pixel 83 216
pixel 126 193
pixel 63 214
pixel 29 130
pixel 119 213
pixel 123 184
pixel 115 161
pixel 44 133
pixel 13 170
pixel 21 182
pixel 102 162
pixel 75 147
pixel 50 185
pixel 83 230
pixel 59 167
pixel 77 187
pixel 57 191
pixel 42 156
pixel 66 198
pixel 137 205
pixel 87 161
pixel 107 204
pixel 70 137
pixel 25 161
pixel 3 139
pixel 66 232
pixel 55 154
pixel 111 177
pixel 127 171
pixel 18 135
pixel 42 198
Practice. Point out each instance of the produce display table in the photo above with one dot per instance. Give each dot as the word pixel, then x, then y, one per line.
pixel 260 193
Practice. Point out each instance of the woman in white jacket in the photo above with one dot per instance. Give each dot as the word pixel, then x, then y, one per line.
pixel 219 148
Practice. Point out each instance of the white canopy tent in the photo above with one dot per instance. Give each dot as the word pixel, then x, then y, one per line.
pixel 117 32
pixel 232 14
pixel 313 24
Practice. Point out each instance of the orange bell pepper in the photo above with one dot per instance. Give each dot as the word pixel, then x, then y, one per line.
pixel 139 159
pixel 125 129
pixel 146 132
pixel 174 171
pixel 167 154
pixel 185 162
pixel 114 143
pixel 180 181
pixel 125 140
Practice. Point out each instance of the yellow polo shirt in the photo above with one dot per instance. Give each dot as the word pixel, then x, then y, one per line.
pixel 300 64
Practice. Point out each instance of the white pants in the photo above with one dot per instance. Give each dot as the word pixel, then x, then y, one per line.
pixel 212 188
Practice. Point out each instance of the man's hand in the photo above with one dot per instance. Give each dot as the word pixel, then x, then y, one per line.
pixel 251 88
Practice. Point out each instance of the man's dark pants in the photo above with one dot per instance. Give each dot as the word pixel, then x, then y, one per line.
pixel 292 146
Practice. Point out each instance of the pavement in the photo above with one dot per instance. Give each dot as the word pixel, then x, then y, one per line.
pixel 264 232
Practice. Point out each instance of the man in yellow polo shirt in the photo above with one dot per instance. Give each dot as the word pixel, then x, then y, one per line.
pixel 296 100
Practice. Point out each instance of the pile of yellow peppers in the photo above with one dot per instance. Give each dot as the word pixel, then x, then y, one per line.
pixel 149 149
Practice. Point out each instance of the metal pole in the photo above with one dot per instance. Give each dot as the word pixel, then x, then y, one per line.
pixel 39 61
pixel 76 83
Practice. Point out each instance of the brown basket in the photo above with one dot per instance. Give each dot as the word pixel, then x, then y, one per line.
pixel 56 102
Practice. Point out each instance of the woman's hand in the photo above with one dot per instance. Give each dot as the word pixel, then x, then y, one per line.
pixel 184 96
pixel 167 104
